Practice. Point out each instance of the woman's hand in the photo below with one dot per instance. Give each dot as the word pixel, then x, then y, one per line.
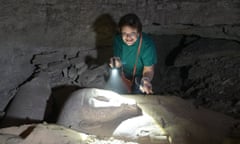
pixel 115 62
pixel 146 86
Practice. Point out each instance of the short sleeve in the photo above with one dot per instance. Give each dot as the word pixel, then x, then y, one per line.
pixel 149 53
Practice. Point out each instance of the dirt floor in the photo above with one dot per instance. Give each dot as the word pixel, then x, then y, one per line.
pixel 165 120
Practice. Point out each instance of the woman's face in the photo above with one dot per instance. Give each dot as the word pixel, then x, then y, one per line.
pixel 129 35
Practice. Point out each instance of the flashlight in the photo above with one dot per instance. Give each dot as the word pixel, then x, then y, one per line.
pixel 115 82
pixel 114 63
pixel 114 70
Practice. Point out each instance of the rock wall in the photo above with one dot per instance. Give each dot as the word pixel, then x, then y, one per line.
pixel 32 28
pixel 205 71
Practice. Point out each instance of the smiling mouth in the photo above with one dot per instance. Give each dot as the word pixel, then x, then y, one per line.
pixel 129 43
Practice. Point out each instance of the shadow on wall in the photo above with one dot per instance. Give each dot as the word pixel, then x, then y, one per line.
pixel 58 97
pixel 105 28
pixel 171 57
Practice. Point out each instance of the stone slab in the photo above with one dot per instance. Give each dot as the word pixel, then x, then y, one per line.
pixel 31 100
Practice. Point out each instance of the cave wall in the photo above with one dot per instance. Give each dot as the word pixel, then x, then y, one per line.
pixel 29 29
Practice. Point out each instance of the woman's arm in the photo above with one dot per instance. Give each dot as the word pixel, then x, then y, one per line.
pixel 146 86
pixel 148 71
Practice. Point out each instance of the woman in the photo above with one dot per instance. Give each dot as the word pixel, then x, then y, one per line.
pixel 135 53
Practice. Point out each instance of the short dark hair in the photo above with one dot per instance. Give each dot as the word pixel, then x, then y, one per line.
pixel 131 20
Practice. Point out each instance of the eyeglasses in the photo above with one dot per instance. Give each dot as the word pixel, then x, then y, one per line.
pixel 132 34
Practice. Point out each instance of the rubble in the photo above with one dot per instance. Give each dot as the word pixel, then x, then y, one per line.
pixel 72 70
pixel 207 72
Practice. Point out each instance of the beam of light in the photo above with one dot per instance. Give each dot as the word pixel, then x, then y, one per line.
pixel 115 82
pixel 114 72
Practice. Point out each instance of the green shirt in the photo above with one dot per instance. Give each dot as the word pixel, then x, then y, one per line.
pixel 127 54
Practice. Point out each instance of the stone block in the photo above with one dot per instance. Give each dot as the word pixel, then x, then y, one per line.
pixel 81 70
pixel 46 58
pixel 80 65
pixel 58 66
pixel 72 73
pixel 90 107
pixel 14 70
pixel 77 60
pixel 5 98
pixel 91 76
pixel 31 99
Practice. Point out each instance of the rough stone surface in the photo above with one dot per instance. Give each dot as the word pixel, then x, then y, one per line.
pixel 204 49
pixel 15 69
pixel 91 107
pixel 51 134
pixel 207 71
pixel 184 123
pixel 45 58
pixel 75 70
pixel 164 119
pixel 93 77
pixel 10 139
pixel 30 101
pixel 64 30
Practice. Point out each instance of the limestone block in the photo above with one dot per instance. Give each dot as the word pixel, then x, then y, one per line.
pixel 76 60
pixel 80 65
pixel 57 66
pixel 81 69
pixel 6 97
pixel 49 57
pixel 89 108
pixel 91 76
pixel 72 73
pixel 31 99
pixel 15 69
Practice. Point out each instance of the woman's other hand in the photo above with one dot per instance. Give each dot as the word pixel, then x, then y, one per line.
pixel 115 62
